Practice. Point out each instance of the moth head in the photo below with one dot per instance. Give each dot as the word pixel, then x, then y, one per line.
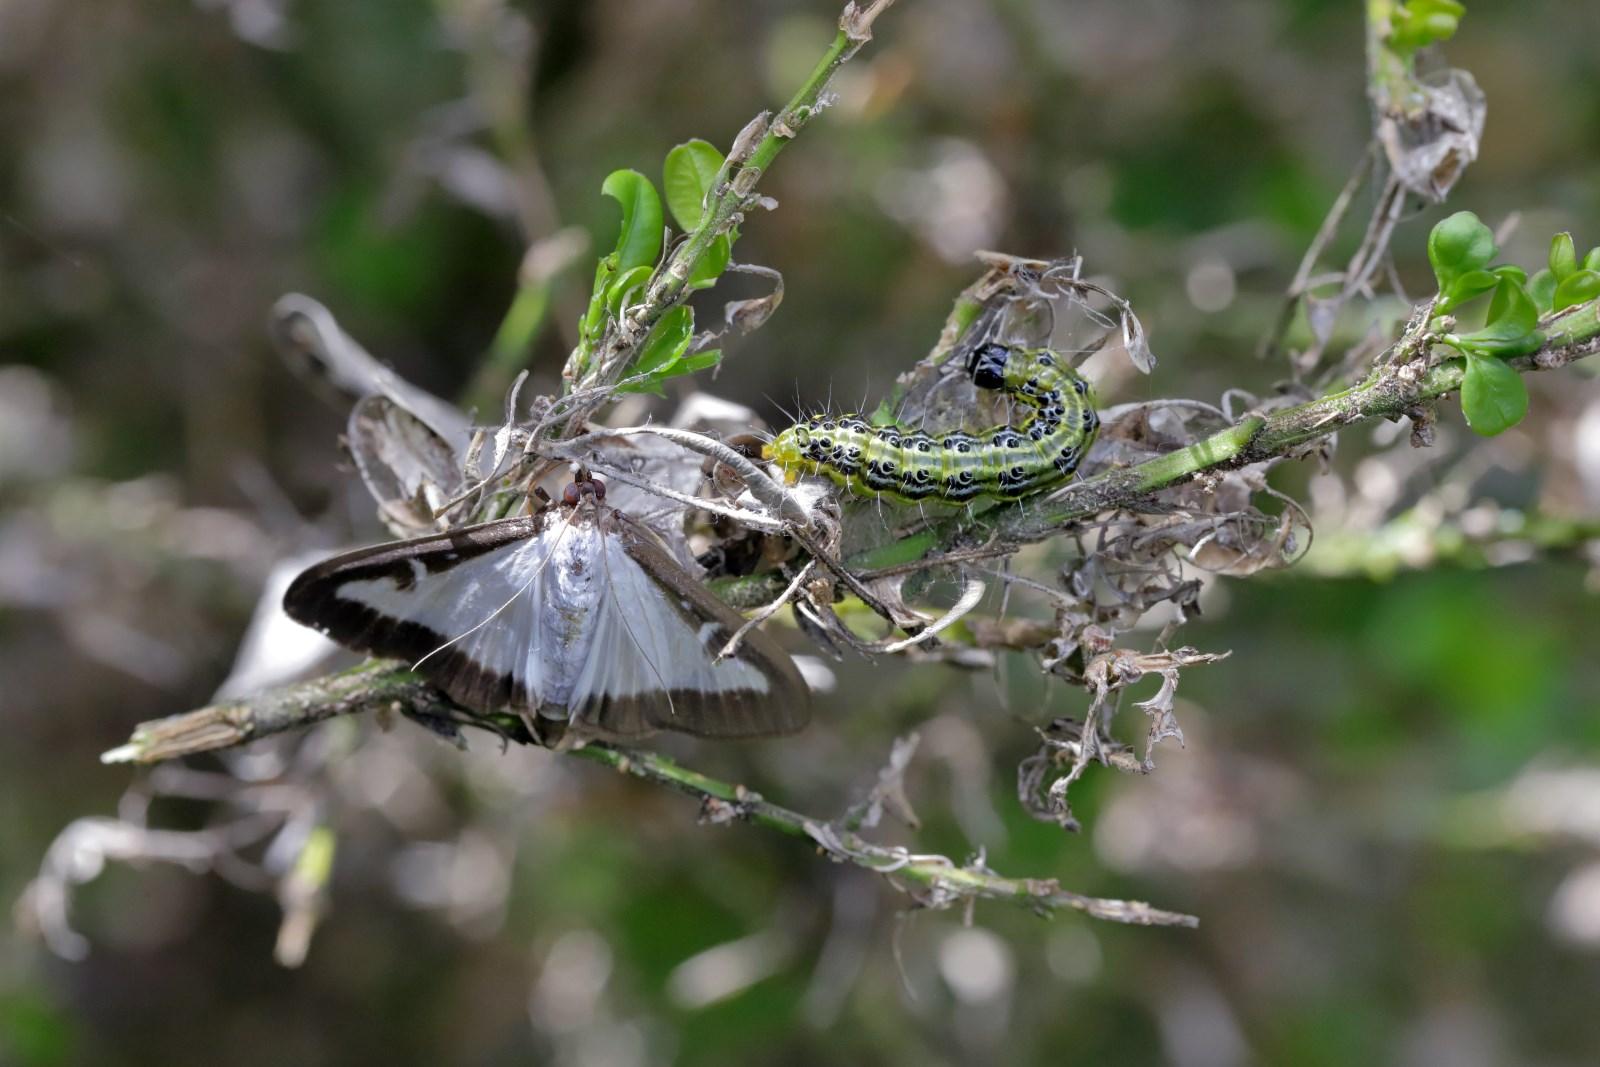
pixel 583 487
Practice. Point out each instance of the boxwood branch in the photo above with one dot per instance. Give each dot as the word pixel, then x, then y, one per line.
pixel 751 154
pixel 932 880
pixel 1395 387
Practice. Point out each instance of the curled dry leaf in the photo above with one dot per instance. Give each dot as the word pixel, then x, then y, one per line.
pixel 310 339
pixel 1430 137
pixel 410 471
pixel 747 316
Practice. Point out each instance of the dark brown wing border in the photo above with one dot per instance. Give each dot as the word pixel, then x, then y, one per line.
pixel 313 599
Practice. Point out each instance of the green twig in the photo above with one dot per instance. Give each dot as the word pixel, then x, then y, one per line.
pixel 1390 79
pixel 1395 388
pixel 933 880
pixel 752 153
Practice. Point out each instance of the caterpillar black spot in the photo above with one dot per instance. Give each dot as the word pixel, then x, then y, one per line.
pixel 1005 462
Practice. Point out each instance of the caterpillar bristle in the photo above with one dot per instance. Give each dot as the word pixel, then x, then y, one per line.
pixel 912 466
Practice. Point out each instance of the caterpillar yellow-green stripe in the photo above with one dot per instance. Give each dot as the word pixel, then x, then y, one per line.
pixel 1005 463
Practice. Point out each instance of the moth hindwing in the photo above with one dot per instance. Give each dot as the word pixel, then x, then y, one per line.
pixel 1003 462
pixel 577 616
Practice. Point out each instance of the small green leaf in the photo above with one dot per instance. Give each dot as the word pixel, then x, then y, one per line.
pixel 1512 271
pixel 712 263
pixel 594 317
pixel 686 179
pixel 661 349
pixel 1592 260
pixel 1563 256
pixel 639 241
pixel 1420 23
pixel 1512 327
pixel 695 364
pixel 1459 245
pixel 625 283
pixel 1498 343
pixel 1493 396
pixel 1542 289
pixel 1512 309
pixel 1466 286
pixel 1579 287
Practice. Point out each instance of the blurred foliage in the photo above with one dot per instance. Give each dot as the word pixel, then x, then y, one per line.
pixel 170 168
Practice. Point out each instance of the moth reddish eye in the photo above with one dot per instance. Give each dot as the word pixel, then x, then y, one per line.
pixel 569 495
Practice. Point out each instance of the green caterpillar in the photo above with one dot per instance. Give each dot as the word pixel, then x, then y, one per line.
pixel 1005 463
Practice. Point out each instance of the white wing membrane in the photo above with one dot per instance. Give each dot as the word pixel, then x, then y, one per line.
pixel 578 615
pixel 650 648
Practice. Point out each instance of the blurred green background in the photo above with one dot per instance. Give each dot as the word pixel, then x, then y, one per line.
pixel 1387 814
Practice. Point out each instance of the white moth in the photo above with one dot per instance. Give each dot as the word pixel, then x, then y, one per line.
pixel 576 617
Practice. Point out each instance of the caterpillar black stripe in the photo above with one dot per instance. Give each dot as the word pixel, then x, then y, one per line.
pixel 1005 463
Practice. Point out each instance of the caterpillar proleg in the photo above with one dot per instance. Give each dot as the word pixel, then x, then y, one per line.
pixel 1005 462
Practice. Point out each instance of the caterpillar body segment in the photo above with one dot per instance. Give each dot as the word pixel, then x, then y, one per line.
pixel 1004 463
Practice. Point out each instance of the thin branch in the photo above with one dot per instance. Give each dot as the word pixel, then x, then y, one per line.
pixel 375 686
pixel 935 881
pixel 1394 389
pixel 1325 234
pixel 752 152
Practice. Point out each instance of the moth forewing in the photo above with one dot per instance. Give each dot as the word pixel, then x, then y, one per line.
pixel 678 626
pixel 413 600
pixel 576 615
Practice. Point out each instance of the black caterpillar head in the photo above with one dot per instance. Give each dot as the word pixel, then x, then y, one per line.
pixel 987 365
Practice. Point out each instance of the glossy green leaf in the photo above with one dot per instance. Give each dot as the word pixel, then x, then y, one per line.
pixel 664 346
pixel 1542 290
pixel 1419 23
pixel 639 240
pixel 1512 310
pixel 686 178
pixel 620 289
pixel 1563 256
pixel 1592 260
pixel 694 364
pixel 1493 396
pixel 1512 271
pixel 1579 287
pixel 712 263
pixel 594 317
pixel 1457 246
pixel 1499 343
pixel 1512 327
pixel 1466 286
